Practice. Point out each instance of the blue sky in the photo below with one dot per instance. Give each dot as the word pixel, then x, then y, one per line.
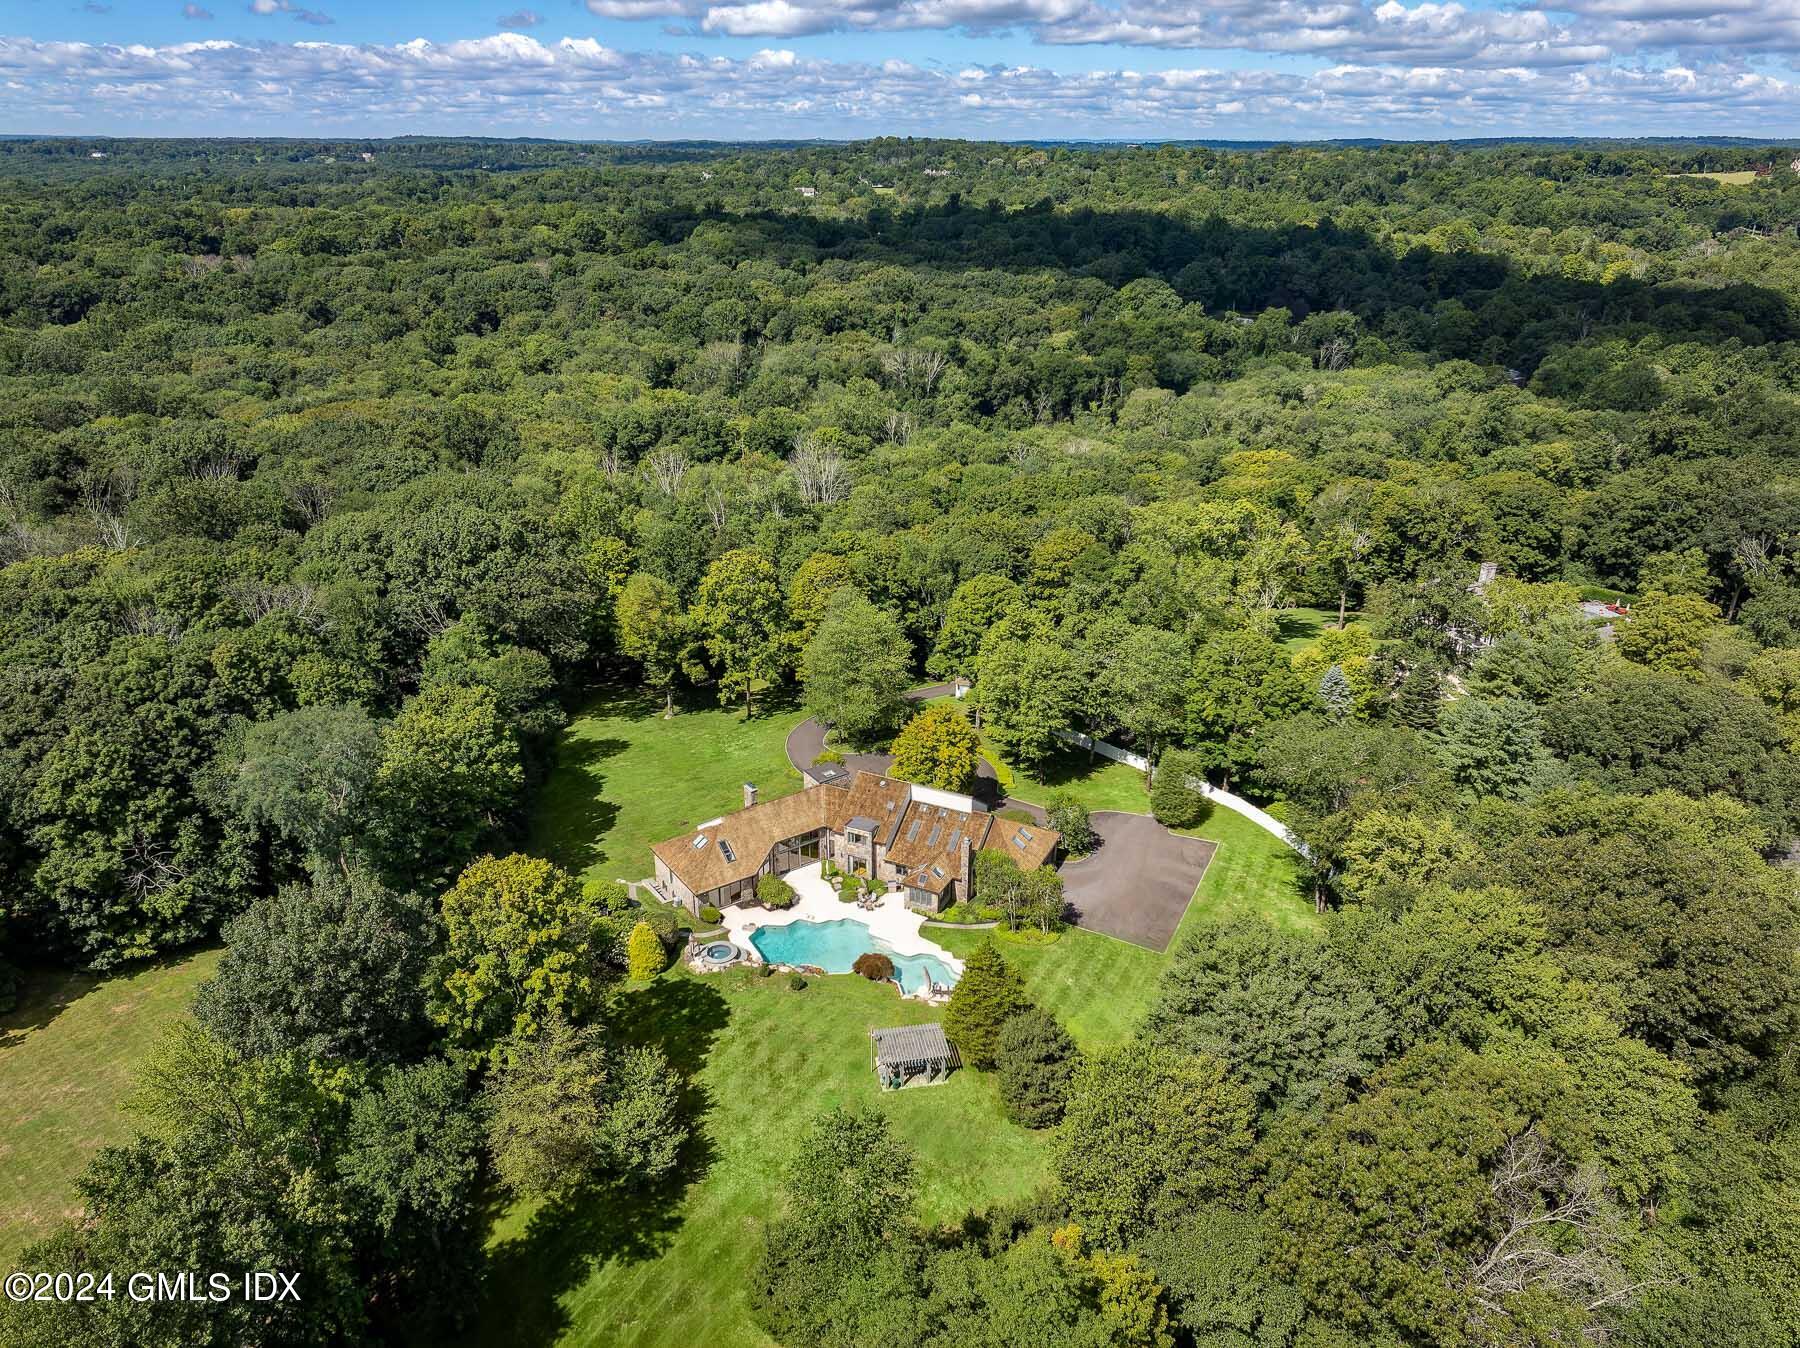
pixel 827 68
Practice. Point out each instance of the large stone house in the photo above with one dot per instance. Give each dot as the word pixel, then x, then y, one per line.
pixel 913 838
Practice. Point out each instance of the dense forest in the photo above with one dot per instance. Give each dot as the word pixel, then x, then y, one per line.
pixel 331 474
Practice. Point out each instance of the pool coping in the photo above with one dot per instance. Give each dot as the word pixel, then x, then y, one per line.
pixel 891 922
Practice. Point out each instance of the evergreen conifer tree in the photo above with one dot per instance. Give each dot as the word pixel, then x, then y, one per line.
pixel 1419 698
pixel 1335 695
pixel 988 995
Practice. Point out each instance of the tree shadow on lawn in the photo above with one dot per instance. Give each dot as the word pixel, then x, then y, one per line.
pixel 566 1240
pixel 574 814
pixel 46 992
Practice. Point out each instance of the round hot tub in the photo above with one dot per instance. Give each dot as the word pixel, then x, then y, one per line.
pixel 717 954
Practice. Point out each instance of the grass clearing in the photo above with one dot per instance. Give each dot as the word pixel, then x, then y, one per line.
pixel 68 1056
pixel 670 1273
pixel 626 778
pixel 669 1270
pixel 1297 626
pixel 1734 178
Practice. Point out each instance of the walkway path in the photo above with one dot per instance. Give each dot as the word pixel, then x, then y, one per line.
pixel 894 926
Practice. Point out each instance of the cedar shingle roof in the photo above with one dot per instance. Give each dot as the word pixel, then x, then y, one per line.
pixel 882 799
pixel 1030 845
pixel 923 839
pixel 928 843
pixel 748 835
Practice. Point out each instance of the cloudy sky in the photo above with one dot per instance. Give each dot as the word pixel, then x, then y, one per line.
pixel 1005 68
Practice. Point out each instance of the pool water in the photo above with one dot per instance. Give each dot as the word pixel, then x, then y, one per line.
pixel 834 946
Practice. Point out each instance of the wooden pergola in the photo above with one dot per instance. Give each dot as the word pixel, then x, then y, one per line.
pixel 913 1055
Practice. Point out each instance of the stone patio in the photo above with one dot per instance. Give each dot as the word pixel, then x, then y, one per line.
pixel 896 925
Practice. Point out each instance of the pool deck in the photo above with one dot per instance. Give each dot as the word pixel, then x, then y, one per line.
pixel 893 922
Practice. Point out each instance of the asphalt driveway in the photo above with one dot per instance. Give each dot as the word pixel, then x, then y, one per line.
pixel 1137 883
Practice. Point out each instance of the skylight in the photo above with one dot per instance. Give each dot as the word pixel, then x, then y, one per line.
pixel 699 842
pixel 725 850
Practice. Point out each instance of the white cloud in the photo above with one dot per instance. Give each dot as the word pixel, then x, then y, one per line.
pixel 510 81
pixel 1439 32
pixel 268 7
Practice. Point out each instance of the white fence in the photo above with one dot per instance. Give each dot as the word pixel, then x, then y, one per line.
pixel 1105 750
pixel 1261 818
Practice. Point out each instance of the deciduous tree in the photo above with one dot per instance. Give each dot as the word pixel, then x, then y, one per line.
pixel 740 613
pixel 938 747
pixel 518 948
pixel 853 673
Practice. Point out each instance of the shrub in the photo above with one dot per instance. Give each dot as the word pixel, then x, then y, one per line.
pixel 849 889
pixel 827 756
pixel 611 897
pixel 765 971
pixel 1069 817
pixel 797 982
pixel 665 924
pixel 1019 816
pixel 1174 803
pixel 645 957
pixel 875 967
pixel 710 914
pixel 1035 1061
pixel 774 892
pixel 828 868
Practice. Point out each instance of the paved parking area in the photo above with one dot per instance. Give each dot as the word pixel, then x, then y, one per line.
pixel 1137 883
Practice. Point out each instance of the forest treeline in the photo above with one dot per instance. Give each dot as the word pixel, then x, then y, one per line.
pixel 325 484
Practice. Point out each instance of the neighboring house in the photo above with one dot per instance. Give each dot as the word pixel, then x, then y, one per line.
pixel 909 837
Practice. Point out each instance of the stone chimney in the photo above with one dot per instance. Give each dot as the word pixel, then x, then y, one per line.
pixel 749 794
pixel 1490 572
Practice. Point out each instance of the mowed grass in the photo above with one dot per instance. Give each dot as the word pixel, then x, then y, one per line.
pixel 626 778
pixel 670 1271
pixel 68 1056
pixel 1297 626
pixel 1732 178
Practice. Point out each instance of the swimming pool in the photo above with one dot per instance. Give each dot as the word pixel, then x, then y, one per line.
pixel 834 946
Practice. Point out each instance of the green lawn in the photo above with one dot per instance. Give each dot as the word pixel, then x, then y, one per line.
pixel 1099 987
pixel 626 778
pixel 670 1271
pixel 1297 626
pixel 68 1055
